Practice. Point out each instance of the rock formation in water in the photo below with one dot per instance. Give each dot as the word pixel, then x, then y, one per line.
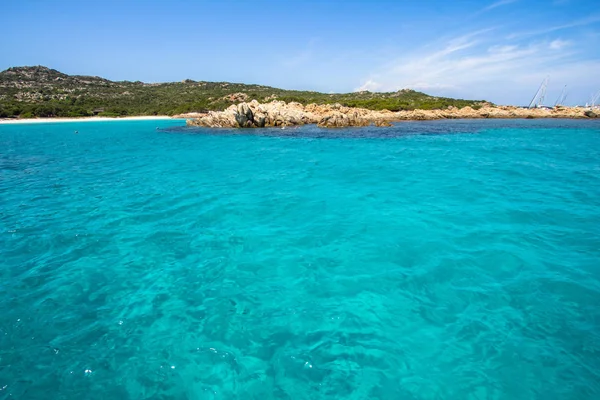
pixel 281 114
pixel 591 114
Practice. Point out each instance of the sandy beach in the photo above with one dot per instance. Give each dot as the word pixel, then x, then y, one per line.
pixel 83 119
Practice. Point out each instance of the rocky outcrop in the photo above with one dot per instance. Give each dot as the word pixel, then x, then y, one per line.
pixel 236 97
pixel 490 111
pixel 281 114
pixel 339 119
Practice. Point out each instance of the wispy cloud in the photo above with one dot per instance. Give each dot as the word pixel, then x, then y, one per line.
pixel 559 44
pixel 499 4
pixel 581 22
pixel 483 66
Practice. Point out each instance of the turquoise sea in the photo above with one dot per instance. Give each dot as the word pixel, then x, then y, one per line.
pixel 432 260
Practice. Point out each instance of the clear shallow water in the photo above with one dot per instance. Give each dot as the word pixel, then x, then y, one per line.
pixel 440 260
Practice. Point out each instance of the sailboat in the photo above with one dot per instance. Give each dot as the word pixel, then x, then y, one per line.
pixel 594 99
pixel 561 99
pixel 538 99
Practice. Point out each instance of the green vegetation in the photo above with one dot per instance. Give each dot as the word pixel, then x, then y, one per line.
pixel 43 92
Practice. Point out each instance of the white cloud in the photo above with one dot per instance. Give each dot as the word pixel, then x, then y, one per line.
pixel 369 85
pixel 484 67
pixel 559 44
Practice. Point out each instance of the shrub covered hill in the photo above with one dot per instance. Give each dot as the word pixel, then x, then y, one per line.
pixel 44 92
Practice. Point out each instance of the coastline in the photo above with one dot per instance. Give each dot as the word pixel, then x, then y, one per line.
pixel 280 113
pixel 7 121
pixel 331 116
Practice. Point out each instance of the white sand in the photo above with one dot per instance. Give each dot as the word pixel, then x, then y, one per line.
pixel 83 119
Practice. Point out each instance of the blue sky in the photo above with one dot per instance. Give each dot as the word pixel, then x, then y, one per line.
pixel 494 50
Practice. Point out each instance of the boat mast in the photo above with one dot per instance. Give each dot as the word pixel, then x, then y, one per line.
pixel 561 99
pixel 594 99
pixel 543 95
pixel 539 95
pixel 535 97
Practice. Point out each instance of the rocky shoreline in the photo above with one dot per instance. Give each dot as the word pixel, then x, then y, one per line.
pixel 281 114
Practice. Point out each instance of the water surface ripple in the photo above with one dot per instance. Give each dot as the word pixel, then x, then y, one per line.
pixel 438 260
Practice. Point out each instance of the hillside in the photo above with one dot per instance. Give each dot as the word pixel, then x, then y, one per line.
pixel 43 92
